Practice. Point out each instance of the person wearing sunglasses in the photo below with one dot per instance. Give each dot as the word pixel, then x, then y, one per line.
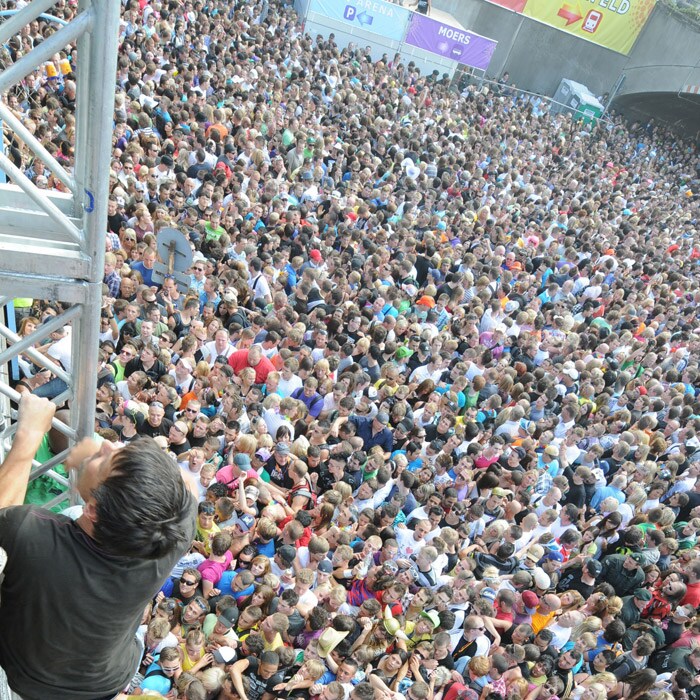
pixel 185 589
pixel 161 675
pixel 474 642
pixel 198 276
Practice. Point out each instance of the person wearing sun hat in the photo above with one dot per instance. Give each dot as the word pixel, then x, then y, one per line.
pixel 329 640
pixel 533 554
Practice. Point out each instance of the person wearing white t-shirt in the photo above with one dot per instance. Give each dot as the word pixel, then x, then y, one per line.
pixel 412 541
pixel 221 346
pixel 303 581
pixel 289 382
pixel 155 637
pixel 258 283
pixel 61 348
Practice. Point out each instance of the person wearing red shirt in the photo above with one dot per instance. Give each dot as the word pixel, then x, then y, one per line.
pixel 692 595
pixel 503 605
pixel 254 358
pixel 391 598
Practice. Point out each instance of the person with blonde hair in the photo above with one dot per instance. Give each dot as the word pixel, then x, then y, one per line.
pixel 590 689
pixel 212 679
pixel 309 672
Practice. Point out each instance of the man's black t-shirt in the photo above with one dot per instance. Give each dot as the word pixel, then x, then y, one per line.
pixel 162 429
pixel 279 474
pixel 69 611
pixel 259 686
pixel 180 449
pixel 115 221
pixel 571 580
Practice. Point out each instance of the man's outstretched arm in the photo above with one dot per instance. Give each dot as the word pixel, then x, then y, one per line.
pixel 33 422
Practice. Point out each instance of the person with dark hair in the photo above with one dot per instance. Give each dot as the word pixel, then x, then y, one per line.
pixel 137 520
pixel 262 675
pixel 363 691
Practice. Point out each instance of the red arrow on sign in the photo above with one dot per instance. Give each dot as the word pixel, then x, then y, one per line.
pixel 569 14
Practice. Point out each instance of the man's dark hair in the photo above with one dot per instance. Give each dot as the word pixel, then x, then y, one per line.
pixel 290 596
pixel 447 619
pixel 547 663
pixel 608 656
pixel 615 631
pixel 255 644
pixel 545 635
pixel 143 508
pixel 304 517
pixel 218 490
pixel 505 550
pixel 684 679
pixel 318 618
pixel 363 691
pixel 350 661
pixel 576 655
pixel 270 657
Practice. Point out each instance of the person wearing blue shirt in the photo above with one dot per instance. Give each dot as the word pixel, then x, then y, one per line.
pixel 145 267
pixel 291 276
pixel 160 674
pixel 210 293
pixel 614 490
pixel 374 431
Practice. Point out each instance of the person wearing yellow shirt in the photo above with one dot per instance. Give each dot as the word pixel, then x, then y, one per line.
pixel 272 629
pixel 549 605
pixel 192 654
pixel 206 528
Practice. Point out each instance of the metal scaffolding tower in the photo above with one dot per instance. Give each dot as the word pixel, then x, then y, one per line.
pixel 52 243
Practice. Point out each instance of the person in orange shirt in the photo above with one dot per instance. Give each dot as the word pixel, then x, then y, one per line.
pixel 549 605
pixel 218 126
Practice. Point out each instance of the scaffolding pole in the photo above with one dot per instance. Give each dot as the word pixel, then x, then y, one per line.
pixel 52 244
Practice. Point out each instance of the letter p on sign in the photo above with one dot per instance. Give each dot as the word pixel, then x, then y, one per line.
pixel 350 12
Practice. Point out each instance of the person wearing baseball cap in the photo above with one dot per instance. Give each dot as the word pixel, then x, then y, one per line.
pixel 524 607
pixel 551 563
pixel 530 601
pixel 580 578
pixel 219 627
pixel 374 431
pixel 238 466
pixel 223 656
pixel 278 466
pixel 632 606
pixel 283 559
pixel 422 629
pixel 244 524
pixel 532 557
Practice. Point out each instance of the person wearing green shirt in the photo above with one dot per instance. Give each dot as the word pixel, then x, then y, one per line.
pixel 214 229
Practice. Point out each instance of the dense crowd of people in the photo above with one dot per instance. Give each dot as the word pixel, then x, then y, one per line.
pixel 436 372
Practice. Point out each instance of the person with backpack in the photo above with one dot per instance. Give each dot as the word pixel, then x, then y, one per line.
pixel 635 659
pixel 161 675
pixel 301 496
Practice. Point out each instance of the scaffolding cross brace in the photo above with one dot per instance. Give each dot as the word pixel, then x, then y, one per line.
pixel 52 243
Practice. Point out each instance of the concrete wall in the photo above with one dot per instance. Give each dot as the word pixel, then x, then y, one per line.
pixel 665 57
pixel 538 57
